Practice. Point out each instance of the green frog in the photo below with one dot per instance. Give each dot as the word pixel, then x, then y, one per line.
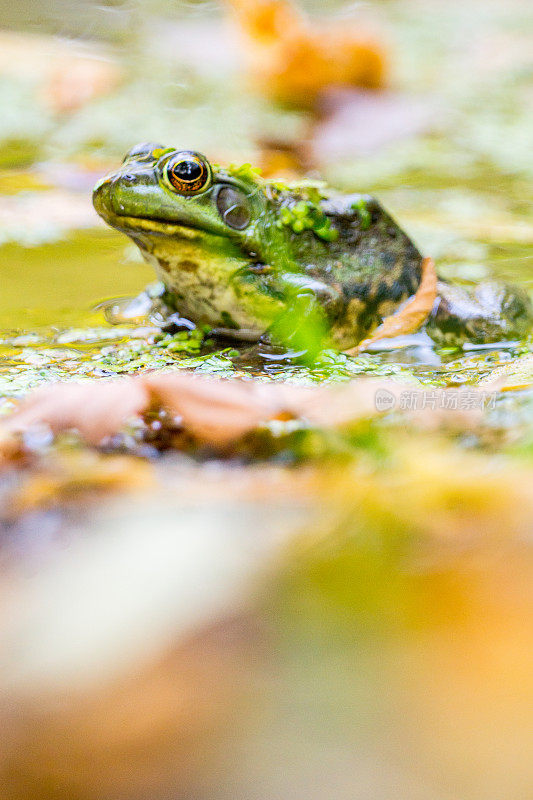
pixel 250 257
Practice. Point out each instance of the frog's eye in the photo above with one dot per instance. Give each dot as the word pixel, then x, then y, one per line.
pixel 188 173
pixel 234 207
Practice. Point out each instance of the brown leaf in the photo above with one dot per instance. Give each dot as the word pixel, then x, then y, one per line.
pixel 411 316
pixel 295 59
pixel 217 411
pixel 95 408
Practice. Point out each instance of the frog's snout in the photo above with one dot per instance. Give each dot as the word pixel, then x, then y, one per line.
pixel 102 196
pixel 122 192
pixel 108 192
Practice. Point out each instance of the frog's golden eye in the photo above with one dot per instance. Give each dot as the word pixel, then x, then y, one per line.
pixel 188 173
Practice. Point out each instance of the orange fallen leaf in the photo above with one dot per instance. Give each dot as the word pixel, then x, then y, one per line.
pixel 411 316
pixel 295 60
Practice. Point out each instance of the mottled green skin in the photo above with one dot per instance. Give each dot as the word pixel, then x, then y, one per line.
pixel 488 312
pixel 242 281
pixel 351 261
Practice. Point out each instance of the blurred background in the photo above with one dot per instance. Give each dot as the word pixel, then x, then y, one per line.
pixel 86 78
pixel 206 629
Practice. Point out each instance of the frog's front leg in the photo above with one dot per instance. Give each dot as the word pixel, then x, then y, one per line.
pixel 152 305
pixel 489 312
pixel 310 310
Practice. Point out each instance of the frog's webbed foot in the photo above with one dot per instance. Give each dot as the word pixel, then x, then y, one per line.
pixel 489 312
pixel 137 309
pixel 153 306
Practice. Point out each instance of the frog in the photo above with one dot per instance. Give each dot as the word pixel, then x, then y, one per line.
pixel 253 259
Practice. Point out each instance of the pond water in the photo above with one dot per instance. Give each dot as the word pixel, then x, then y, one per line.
pixel 458 183
pixel 53 323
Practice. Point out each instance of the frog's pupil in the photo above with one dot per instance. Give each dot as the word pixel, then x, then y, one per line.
pixel 187 170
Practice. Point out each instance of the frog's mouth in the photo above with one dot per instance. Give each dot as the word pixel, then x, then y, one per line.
pixel 132 225
pixel 160 237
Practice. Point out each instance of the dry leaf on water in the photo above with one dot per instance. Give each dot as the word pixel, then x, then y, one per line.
pixel 211 410
pixel 411 316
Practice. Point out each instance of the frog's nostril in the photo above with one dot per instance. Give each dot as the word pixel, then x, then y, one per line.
pixel 127 177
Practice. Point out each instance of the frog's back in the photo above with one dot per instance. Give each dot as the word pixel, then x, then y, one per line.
pixel 372 263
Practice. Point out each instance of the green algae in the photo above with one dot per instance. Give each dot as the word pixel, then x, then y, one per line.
pixel 245 172
pixel 364 214
pixel 305 215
